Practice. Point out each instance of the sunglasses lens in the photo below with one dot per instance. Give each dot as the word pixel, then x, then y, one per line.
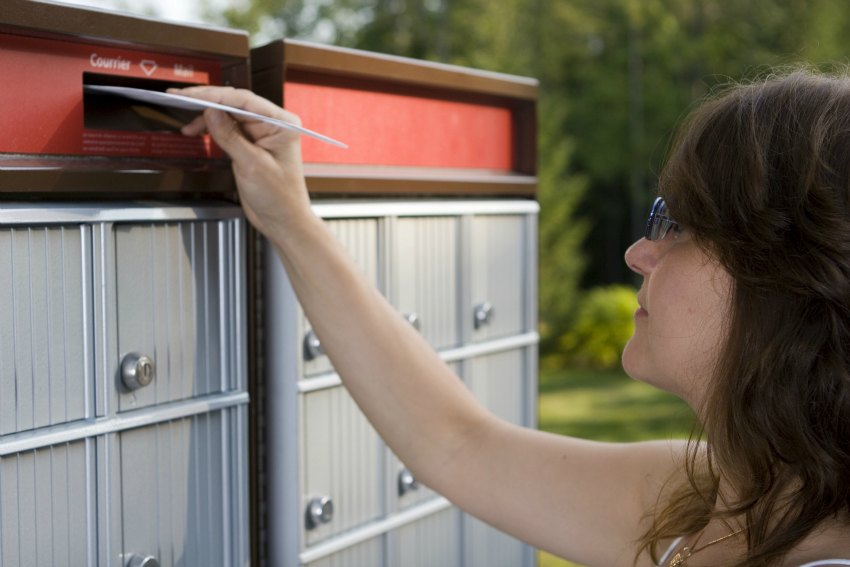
pixel 658 223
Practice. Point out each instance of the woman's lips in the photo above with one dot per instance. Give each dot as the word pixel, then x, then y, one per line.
pixel 641 312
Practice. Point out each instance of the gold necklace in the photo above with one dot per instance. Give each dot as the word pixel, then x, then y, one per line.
pixel 682 556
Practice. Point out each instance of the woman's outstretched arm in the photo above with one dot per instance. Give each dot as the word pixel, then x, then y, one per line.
pixel 580 499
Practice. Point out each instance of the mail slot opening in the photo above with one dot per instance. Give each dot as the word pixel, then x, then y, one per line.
pixel 104 111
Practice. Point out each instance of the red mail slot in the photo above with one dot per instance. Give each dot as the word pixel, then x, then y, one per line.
pixel 58 118
pixel 60 136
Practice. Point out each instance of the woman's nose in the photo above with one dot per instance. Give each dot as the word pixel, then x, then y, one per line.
pixel 641 256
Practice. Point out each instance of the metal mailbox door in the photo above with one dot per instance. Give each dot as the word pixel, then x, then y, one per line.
pixel 342 458
pixel 360 239
pixel 370 553
pixel 47 507
pixel 181 496
pixel 432 540
pixel 46 368
pixel 425 276
pixel 176 300
pixel 499 277
pixel 500 382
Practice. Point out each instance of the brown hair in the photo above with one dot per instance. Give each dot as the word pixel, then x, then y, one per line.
pixel 761 177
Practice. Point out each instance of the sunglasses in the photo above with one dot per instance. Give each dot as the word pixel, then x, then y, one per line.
pixel 659 222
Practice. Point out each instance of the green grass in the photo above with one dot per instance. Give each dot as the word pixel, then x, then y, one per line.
pixel 606 406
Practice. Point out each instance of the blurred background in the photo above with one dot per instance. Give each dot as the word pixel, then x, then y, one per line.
pixel 616 76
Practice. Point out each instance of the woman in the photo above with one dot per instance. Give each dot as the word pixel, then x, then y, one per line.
pixel 745 314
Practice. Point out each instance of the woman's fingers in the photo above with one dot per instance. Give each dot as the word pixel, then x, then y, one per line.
pixel 195 128
pixel 227 133
pixel 274 139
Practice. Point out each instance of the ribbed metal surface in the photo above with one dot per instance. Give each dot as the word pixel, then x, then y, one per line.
pixel 485 546
pixel 436 262
pixel 342 458
pixel 360 239
pixel 497 262
pixel 45 339
pixel 169 480
pixel 179 305
pixel 180 497
pixel 498 381
pixel 429 542
pixel 46 507
pixel 367 554
pixel 425 275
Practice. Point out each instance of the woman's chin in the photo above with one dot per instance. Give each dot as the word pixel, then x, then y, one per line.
pixel 629 360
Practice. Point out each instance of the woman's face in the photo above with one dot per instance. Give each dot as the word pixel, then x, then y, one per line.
pixel 684 300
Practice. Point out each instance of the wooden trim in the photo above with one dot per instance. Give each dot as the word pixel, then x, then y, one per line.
pixel 34 17
pixel 319 63
pixel 329 180
pixel 179 181
pixel 525 141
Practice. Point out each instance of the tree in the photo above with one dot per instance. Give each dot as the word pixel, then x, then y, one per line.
pixel 616 77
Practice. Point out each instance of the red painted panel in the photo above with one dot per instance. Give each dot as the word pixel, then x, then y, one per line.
pixel 398 130
pixel 41 100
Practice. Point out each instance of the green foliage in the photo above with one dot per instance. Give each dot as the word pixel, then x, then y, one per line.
pixel 561 262
pixel 603 325
pixel 616 76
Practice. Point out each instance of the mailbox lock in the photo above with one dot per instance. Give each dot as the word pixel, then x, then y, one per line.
pixel 482 314
pixel 319 511
pixel 414 320
pixel 137 371
pixel 406 482
pixel 312 346
pixel 142 561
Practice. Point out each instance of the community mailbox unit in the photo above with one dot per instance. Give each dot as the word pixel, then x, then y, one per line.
pixel 434 201
pixel 162 400
pixel 124 300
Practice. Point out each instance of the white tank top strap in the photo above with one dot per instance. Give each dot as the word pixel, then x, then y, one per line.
pixel 670 551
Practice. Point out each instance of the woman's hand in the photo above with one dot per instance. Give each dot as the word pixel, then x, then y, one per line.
pixel 266 158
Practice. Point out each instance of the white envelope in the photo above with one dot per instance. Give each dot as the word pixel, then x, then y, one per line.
pixel 188 103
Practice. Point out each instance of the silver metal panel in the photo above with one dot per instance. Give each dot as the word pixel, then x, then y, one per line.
pixel 432 541
pixel 182 498
pixel 282 369
pixel 360 239
pixel 425 275
pixel 498 381
pixel 105 320
pixel 531 271
pixel 76 431
pixel 485 546
pixel 46 372
pixel 366 554
pixel 501 381
pixel 421 207
pixel 174 289
pixel 109 511
pixel 46 505
pixel 497 272
pixel 342 458
pixel 110 212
